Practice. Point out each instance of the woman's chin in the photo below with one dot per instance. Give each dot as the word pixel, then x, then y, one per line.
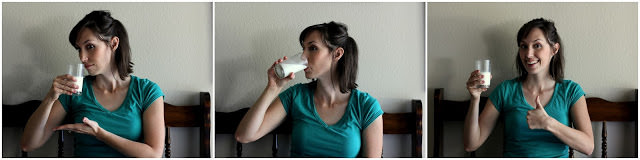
pixel 308 76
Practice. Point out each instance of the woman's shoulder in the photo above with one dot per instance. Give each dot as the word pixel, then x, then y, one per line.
pixel 567 82
pixel 570 85
pixel 143 83
pixel 363 97
pixel 301 87
pixel 508 84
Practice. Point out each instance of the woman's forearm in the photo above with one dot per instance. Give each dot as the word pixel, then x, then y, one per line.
pixel 471 126
pixel 128 147
pixel 35 131
pixel 576 139
pixel 253 119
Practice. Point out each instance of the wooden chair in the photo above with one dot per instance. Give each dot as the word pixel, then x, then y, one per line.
pixel 393 123
pixel 599 110
pixel 190 116
pixel 175 116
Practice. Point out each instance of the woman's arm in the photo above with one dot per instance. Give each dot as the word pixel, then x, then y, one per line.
pixel 40 125
pixel 267 113
pixel 580 138
pixel 478 128
pixel 49 114
pixel 153 130
pixel 372 139
pixel 261 118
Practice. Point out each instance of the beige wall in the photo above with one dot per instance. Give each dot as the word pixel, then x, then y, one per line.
pixel 600 42
pixel 249 37
pixel 171 45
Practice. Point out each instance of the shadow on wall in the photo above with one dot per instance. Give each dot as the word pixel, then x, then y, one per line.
pixel 40 57
pixel 502 48
pixel 234 75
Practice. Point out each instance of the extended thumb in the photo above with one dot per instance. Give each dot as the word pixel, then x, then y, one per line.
pixel 538 105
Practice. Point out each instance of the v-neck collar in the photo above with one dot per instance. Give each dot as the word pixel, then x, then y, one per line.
pixel 95 100
pixel 347 110
pixel 553 95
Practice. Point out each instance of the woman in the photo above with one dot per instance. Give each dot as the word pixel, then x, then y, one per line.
pixel 330 117
pixel 537 107
pixel 118 114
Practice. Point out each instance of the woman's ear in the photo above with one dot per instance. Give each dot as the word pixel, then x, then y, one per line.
pixel 114 42
pixel 339 52
pixel 556 48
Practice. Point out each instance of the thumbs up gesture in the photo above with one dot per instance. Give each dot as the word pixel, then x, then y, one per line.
pixel 538 118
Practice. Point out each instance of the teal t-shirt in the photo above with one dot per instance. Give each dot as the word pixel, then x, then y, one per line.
pixel 519 140
pixel 311 137
pixel 126 121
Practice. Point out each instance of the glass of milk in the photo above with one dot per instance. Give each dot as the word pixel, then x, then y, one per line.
pixel 76 70
pixel 485 69
pixel 293 64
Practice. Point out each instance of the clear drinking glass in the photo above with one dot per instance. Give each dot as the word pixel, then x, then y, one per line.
pixel 485 69
pixel 76 70
pixel 293 64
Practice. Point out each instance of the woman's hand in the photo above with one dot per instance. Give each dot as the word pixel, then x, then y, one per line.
pixel 87 127
pixel 274 81
pixel 475 79
pixel 63 84
pixel 538 118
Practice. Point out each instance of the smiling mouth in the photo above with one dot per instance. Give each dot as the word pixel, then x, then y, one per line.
pixel 533 62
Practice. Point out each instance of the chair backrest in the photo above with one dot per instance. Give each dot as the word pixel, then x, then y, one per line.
pixel 603 110
pixel 447 110
pixel 175 116
pixel 18 115
pixel 599 110
pixel 393 123
pixel 190 116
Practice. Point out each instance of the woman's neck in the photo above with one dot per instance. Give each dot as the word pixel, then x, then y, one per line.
pixel 538 82
pixel 111 81
pixel 329 92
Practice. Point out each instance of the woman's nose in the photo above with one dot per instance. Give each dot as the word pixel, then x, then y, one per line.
pixel 83 56
pixel 529 52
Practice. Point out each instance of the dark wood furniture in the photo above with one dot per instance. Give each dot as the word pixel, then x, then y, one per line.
pixel 175 116
pixel 393 123
pixel 599 110
pixel 190 116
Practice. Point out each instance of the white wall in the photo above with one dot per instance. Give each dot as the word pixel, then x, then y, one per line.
pixel 600 45
pixel 171 45
pixel 249 37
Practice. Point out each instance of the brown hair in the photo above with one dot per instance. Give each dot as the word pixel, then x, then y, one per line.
pixel 556 68
pixel 105 27
pixel 335 35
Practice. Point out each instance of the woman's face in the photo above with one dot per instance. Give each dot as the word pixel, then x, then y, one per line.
pixel 94 53
pixel 318 56
pixel 536 53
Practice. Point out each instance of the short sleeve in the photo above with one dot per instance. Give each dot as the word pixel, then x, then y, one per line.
pixel 65 100
pixel 288 96
pixel 574 92
pixel 497 96
pixel 151 92
pixel 370 109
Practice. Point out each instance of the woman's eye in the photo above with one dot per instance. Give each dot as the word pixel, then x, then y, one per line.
pixel 90 46
pixel 537 46
pixel 313 48
pixel 522 46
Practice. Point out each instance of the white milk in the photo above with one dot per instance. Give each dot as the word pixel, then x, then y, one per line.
pixel 79 83
pixel 283 70
pixel 486 79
